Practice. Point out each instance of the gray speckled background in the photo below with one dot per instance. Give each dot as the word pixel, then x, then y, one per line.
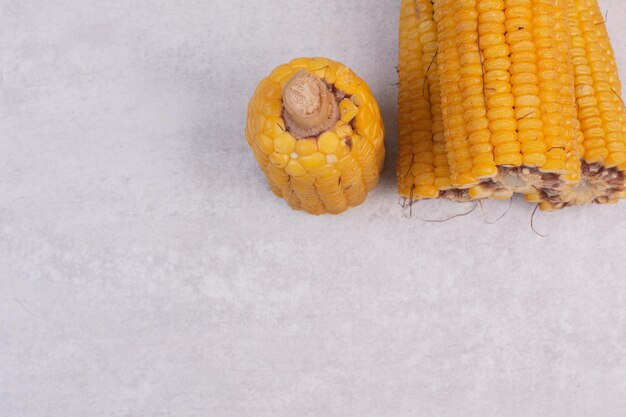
pixel 146 270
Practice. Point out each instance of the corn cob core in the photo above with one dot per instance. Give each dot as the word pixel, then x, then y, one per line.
pixel 310 107
pixel 316 132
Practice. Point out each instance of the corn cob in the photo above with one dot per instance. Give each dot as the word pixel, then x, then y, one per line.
pixel 423 169
pixel 505 93
pixel 317 135
pixel 504 131
pixel 418 175
pixel 529 98
pixel 601 113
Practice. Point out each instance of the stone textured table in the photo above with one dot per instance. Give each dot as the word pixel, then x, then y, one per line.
pixel 147 271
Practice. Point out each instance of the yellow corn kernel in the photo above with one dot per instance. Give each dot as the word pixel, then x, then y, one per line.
pixel 278 159
pixel 283 72
pixel 343 129
pixel 318 66
pixel 313 162
pixel 344 148
pixel 293 168
pixel 269 89
pixel 299 63
pixel 364 118
pixel 265 143
pixel 346 81
pixel 272 108
pixel 502 194
pixel 285 143
pixel 274 126
pixel 479 192
pixel 328 142
pixel 347 110
pixel 306 146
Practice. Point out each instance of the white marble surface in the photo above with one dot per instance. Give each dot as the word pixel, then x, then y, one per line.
pixel 146 270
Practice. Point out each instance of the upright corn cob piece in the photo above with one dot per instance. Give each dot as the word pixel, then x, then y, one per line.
pixel 316 132
pixel 601 112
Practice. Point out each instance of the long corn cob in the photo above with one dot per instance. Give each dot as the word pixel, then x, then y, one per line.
pixel 317 135
pixel 529 98
pixel 418 174
pixel 504 95
pixel 423 169
pixel 601 113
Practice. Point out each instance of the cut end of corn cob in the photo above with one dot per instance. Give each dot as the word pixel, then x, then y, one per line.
pixel 598 185
pixel 316 132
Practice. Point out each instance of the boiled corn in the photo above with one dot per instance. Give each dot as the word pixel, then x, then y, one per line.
pixel 317 135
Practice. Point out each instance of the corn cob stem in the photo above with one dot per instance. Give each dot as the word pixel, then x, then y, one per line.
pixel 310 107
